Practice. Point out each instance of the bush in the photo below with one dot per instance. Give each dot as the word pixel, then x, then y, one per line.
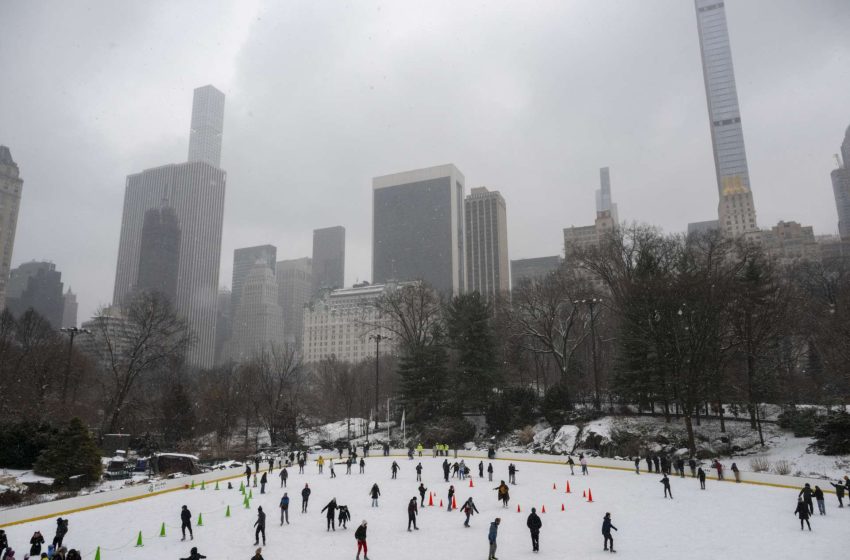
pixel 554 406
pixel 72 452
pixel 22 442
pixel 511 409
pixel 782 467
pixel 526 435
pixel 802 422
pixel 760 464
pixel 832 435
pixel 452 430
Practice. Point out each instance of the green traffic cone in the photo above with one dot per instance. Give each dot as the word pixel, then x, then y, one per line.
pixel 227 513
pixel 203 485
pixel 247 504
pixel 162 530
pixel 241 487
pixel 139 540
pixel 193 485
pixel 97 554
pixel 250 494
pixel 216 485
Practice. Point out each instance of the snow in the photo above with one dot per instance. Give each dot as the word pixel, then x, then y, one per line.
pixel 565 439
pixel 726 521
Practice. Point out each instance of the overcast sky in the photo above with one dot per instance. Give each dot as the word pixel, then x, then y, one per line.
pixel 529 98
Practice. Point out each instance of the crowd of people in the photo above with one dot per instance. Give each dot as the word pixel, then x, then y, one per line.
pixel 56 550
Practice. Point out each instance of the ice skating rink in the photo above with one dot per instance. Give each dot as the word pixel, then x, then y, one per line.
pixel 726 521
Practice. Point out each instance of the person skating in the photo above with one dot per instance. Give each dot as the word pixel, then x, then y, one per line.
pixel 583 462
pixel 331 465
pixel 248 475
pixel 818 495
pixel 35 543
pixel 666 482
pixel 503 493
pixel 451 495
pixel 305 497
pixel 194 554
pixel 839 493
pixel 260 525
pixel 284 509
pixel 394 468
pixel 256 463
pixel 343 517
pixel 186 523
pixel 258 554
pixel 701 476
pixel 263 480
pixel 489 472
pixel 419 472
pixel 284 474
pixel 491 538
pixel 480 469
pixel 375 492
pixel 422 491
pixel 802 512
pixel 468 509
pixel 806 494
pixel 512 473
pixel 534 524
pixel 301 463
pixel 571 463
pixel 360 536
pixel 348 463
pixel 412 512
pixel 606 533
pixel 637 465
pixel 271 464
pixel 331 513
pixel 718 466
pixel 362 466
pixel 736 472
pixel 61 531
pixel 446 469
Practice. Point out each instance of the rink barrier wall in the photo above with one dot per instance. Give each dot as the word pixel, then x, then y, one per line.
pixel 68 506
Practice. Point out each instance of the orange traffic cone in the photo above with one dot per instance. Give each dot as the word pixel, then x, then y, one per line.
pixel 589 495
pixel 431 500
pixel 543 509
pixel 584 494
pixel 454 503
pixel 470 484
pixel 562 507
pixel 441 502
pixel 568 487
pixel 517 508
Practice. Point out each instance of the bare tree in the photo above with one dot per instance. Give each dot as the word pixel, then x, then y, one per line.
pixel 278 377
pixel 412 313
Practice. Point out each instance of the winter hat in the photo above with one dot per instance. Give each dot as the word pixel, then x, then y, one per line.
pixel 533 510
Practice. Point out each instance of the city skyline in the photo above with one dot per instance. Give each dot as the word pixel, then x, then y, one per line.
pixel 655 140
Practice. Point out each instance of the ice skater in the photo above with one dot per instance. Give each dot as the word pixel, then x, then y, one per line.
pixel 258 554
pixel 412 512
pixel 534 524
pixel 572 464
pixel 360 536
pixel 839 493
pixel 468 509
pixel 61 531
pixel 606 533
pixel 818 495
pixel 492 536
pixel 284 474
pixel 637 465
pixel 802 512
pixel 260 525
pixel 419 472
pixel 186 523
pixel 284 509
pixel 489 472
pixel 451 495
pixel 344 517
pixel 194 554
pixel 503 493
pixel 806 494
pixel 330 508
pixel 263 480
pixel 512 473
pixel 375 492
pixel 422 491
pixel 305 497
pixel 701 476
pixel 394 468
pixel 583 462
pixel 666 482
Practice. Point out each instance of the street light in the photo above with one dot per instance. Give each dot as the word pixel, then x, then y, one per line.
pixel 591 303
pixel 377 338
pixel 71 332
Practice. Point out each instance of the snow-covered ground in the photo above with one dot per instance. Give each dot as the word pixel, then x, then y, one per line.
pixel 726 521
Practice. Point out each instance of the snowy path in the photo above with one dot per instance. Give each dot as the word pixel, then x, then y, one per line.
pixel 726 521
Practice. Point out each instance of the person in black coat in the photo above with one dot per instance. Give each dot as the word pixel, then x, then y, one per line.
pixel 490 472
pixel 657 462
pixel 331 509
pixel 4 541
pixel 534 524
pixel 480 469
pixel 446 469
pixel 284 474
pixel 701 476
pixel 802 512
pixel 362 465
pixel 648 463
pixel 606 532
pixel 186 523
pixel 194 554
pixel 419 472
pixel 260 524
pixel 422 491
pixel 61 531
pixel 806 494
pixel 468 509
pixel 839 493
pixel 258 554
pixel 375 492
pixel 344 517
pixel 35 544
pixel 305 497
pixel 263 480
pixel 666 482
pixel 412 511
pixel 451 495
pixel 360 536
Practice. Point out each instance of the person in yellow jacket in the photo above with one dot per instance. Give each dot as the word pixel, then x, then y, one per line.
pixel 321 463
pixel 419 448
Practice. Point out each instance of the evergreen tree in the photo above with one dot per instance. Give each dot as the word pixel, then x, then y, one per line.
pixel 72 452
pixel 470 335
pixel 178 415
pixel 423 372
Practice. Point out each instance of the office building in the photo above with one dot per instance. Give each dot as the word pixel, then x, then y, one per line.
pixel 258 321
pixel 294 286
pixel 38 286
pixel 736 210
pixel 582 238
pixel 11 187
pixel 159 252
pixel 223 326
pixel 790 242
pixel 704 226
pixel 340 322
pixel 69 309
pixel 207 126
pixel 533 269
pixel 841 188
pixel 195 192
pixel 328 259
pixel 418 228
pixel 487 268
pixel 243 261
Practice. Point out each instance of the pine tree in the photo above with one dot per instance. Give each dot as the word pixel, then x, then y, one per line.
pixel 470 335
pixel 72 452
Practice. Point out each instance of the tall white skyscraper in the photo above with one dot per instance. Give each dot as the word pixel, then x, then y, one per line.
pixel 11 187
pixel 487 266
pixel 207 126
pixel 841 187
pixel 258 321
pixel 604 204
pixel 736 210
pixel 195 192
pixel 294 285
pixel 418 228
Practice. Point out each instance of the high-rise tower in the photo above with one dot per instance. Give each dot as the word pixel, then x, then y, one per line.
pixel 605 207
pixel 195 192
pixel 328 259
pixel 487 266
pixel 841 188
pixel 159 252
pixel 736 210
pixel 11 186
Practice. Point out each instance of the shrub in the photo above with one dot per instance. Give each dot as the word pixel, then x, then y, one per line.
pixel 760 464
pixel 511 409
pixel 782 467
pixel 452 430
pixel 832 435
pixel 22 442
pixel 801 422
pixel 526 435
pixel 554 406
pixel 72 452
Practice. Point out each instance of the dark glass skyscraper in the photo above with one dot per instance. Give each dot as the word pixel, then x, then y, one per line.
pixel 37 285
pixel 159 252
pixel 328 259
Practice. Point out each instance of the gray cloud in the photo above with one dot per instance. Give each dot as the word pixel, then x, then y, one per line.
pixel 530 98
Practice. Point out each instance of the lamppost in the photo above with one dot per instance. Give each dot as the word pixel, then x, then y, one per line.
pixel 71 332
pixel 377 338
pixel 591 303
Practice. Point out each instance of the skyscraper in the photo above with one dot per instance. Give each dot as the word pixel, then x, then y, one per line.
pixel 11 186
pixel 604 203
pixel 195 191
pixel 258 321
pixel 37 285
pixel 736 210
pixel 328 259
pixel 294 284
pixel 207 126
pixel 486 226
pixel 841 188
pixel 159 252
pixel 531 269
pixel 246 259
pixel 69 311
pixel 418 228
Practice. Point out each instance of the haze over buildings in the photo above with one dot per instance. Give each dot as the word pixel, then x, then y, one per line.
pixel 11 187
pixel 841 187
pixel 36 285
pixel 328 259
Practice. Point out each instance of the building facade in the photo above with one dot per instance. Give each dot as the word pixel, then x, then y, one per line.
pixel 258 321
pixel 195 191
pixel 487 265
pixel 841 188
pixel 69 309
pixel 532 269
pixel 36 285
pixel 736 210
pixel 339 324
pixel 604 201
pixel 207 126
pixel 11 187
pixel 789 242
pixel 418 228
pixel 328 259
pixel 244 260
pixel 294 286
pixel 159 252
